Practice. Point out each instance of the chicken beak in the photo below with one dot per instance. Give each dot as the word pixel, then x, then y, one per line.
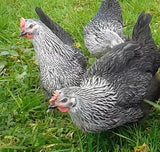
pixel 23 33
pixel 51 107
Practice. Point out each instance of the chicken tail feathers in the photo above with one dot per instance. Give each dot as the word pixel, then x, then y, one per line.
pixel 112 9
pixel 142 34
pixel 43 17
pixel 141 30
pixel 54 27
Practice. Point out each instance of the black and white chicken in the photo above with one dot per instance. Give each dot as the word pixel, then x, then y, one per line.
pixel 113 90
pixel 60 63
pixel 104 31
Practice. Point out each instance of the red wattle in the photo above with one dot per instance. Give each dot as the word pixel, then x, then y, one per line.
pixel 63 109
pixel 30 36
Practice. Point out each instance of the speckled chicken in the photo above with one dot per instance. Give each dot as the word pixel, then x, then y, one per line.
pixel 60 63
pixel 104 31
pixel 113 89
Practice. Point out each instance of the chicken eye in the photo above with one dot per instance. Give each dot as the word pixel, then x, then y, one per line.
pixel 64 100
pixel 31 26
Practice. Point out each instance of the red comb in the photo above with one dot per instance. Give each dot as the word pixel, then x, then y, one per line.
pixel 55 96
pixel 22 23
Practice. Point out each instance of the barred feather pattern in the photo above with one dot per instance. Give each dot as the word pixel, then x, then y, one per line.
pixel 57 62
pixel 104 31
pixel 96 108
pixel 102 40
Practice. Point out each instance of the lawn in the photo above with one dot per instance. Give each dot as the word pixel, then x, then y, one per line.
pixel 24 123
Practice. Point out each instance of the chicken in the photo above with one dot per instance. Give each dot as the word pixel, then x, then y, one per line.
pixel 104 31
pixel 60 63
pixel 114 87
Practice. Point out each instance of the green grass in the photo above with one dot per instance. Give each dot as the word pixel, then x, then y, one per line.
pixel 24 123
